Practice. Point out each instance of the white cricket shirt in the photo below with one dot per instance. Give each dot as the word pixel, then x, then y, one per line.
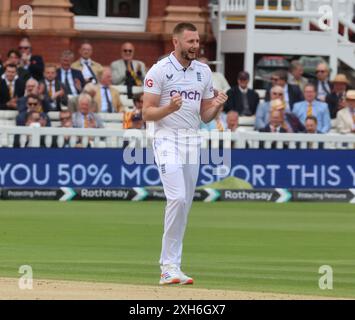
pixel 168 77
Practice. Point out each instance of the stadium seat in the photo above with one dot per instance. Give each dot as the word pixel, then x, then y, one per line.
pixel 127 103
pixel 261 93
pixel 247 121
pixel 122 89
pixel 111 117
pixel 7 123
pixel 53 115
pixel 8 114
pixel 113 125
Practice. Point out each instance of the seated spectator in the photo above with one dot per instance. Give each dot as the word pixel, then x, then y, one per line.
pixel 72 79
pixel 33 104
pixel 89 68
pixel 311 124
pixel 310 106
pixel 292 124
pixel 262 115
pixel 336 99
pixel 346 116
pixel 65 117
pixel 66 121
pixel 33 63
pixel 32 88
pixel 292 93
pixel 322 83
pixel 127 71
pixel 33 119
pixel 311 128
pixel 295 75
pixel 14 57
pixel 53 89
pixel 91 90
pixel 276 123
pixel 240 98
pixel 84 118
pixel 135 115
pixel 218 123
pixel 219 81
pixel 232 120
pixel 107 98
pixel 12 88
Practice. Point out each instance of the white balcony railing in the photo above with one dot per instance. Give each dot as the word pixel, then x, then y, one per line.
pixel 105 138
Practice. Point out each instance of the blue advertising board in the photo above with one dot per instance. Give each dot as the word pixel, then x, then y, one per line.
pixel 106 168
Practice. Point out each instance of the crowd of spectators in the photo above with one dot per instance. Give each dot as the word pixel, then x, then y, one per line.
pixel 82 88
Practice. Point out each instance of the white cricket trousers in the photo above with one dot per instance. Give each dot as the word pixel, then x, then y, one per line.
pixel 178 168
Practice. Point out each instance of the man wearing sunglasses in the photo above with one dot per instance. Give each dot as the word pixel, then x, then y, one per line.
pixel 33 63
pixel 34 104
pixel 292 93
pixel 127 71
pixel 322 83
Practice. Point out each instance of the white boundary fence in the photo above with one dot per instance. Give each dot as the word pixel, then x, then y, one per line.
pixel 106 138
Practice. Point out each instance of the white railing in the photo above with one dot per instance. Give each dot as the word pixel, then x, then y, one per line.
pixel 104 138
pixel 255 140
pixel 235 6
pixel 307 16
pixel 348 25
pixel 305 10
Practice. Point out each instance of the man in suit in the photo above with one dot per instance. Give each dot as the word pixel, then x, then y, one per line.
pixel 32 88
pixel 86 65
pixel 276 122
pixel 295 75
pixel 13 87
pixel 232 120
pixel 91 90
pixel 72 79
pixel 242 99
pixel 84 118
pixel 53 89
pixel 336 99
pixel 275 126
pixel 33 63
pixel 33 104
pixel 346 116
pixel 322 83
pixel 292 93
pixel 311 125
pixel 107 98
pixel 312 107
pixel 127 71
pixel 14 57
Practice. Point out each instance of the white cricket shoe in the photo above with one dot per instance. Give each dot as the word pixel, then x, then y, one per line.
pixel 184 279
pixel 170 275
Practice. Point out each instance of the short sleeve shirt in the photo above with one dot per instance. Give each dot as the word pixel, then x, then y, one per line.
pixel 168 77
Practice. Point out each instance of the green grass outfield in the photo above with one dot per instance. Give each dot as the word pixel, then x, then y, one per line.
pixel 241 246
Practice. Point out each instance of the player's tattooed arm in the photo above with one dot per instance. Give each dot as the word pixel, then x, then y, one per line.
pixel 151 112
pixel 210 107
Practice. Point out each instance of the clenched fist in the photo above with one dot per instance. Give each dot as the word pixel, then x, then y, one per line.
pixel 175 102
pixel 220 99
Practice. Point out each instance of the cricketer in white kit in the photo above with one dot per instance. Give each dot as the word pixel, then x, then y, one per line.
pixel 178 94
